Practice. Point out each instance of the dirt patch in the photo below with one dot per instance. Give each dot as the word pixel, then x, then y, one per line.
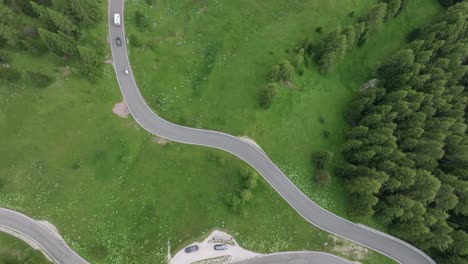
pixel 121 109
pixel 250 141
pixel 291 85
pixel 66 71
pixel 348 248
pixel 160 140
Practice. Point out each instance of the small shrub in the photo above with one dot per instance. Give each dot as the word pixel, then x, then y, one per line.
pixel 9 74
pixel 273 74
pixel 4 57
pixel 233 201
pixel 141 20
pixel 221 161
pixel 210 156
pixel 246 195
pixel 322 177
pixel 319 30
pixel 134 41
pixel 351 14
pixel 76 165
pixel 267 96
pixel 321 120
pixel 321 159
pixel 251 183
pixel 40 80
pixel 326 134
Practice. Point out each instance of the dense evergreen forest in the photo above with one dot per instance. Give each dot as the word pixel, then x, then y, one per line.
pixel 54 26
pixel 407 151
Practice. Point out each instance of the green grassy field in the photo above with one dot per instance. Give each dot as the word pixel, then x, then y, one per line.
pixel 15 251
pixel 119 197
pixel 202 64
pixel 115 194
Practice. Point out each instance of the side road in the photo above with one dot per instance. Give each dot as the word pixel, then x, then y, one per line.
pixel 50 244
pixel 390 246
pixel 299 257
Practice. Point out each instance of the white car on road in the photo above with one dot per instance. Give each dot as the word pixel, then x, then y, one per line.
pixel 117 19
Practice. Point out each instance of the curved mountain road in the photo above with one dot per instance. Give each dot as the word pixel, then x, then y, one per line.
pixel 297 257
pixel 394 248
pixel 56 249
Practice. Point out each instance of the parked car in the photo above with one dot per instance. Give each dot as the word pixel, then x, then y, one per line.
pixel 117 19
pixel 191 249
pixel 220 247
pixel 126 71
pixel 118 41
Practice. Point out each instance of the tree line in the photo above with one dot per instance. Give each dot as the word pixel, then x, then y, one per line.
pixel 54 26
pixel 407 150
pixel 331 50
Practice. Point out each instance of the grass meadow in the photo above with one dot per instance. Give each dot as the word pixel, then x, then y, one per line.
pixel 203 63
pixel 113 192
pixel 117 196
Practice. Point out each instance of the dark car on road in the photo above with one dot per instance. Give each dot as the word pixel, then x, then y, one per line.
pixel 191 249
pixel 118 41
pixel 220 247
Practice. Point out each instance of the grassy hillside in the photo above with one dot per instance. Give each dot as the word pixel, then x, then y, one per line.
pixel 113 191
pixel 15 251
pixel 203 64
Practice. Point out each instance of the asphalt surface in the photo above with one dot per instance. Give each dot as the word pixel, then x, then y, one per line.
pixel 397 249
pixel 50 244
pixel 299 257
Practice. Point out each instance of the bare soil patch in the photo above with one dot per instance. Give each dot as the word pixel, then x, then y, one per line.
pixel 121 109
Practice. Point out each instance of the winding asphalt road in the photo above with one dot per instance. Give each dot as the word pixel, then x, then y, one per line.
pixel 385 244
pixel 58 250
pixel 298 257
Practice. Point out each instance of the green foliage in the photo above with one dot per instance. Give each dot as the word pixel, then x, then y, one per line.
pixel 9 34
pixel 61 22
pixel 450 2
pixel 322 177
pixel 267 95
pixel 39 80
pixel 58 43
pixel 407 152
pixel 237 199
pixel 393 7
pixel 134 41
pixel 88 12
pixel 331 51
pixel 9 74
pixel 322 159
pixel 286 71
pixel 141 20
pixel 376 17
pixel 273 74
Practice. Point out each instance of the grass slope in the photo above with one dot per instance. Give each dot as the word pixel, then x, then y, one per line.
pixel 114 194
pixel 203 63
pixel 15 251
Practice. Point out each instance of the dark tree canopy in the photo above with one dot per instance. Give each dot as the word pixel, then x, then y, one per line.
pixel 407 150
